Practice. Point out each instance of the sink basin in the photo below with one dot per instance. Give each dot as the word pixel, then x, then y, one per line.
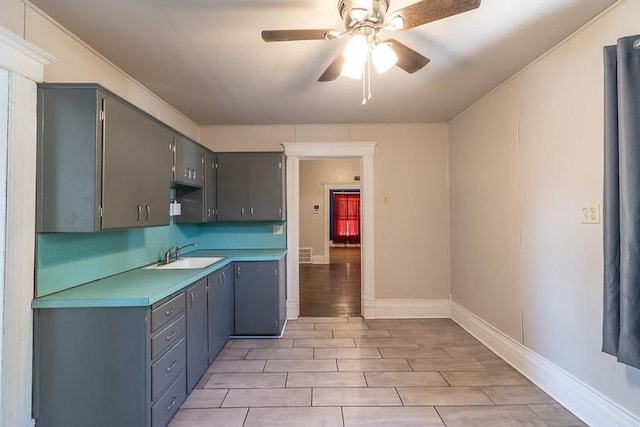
pixel 186 263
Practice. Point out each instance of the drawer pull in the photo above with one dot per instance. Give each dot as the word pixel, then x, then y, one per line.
pixel 172 404
pixel 173 365
pixel 170 312
pixel 171 336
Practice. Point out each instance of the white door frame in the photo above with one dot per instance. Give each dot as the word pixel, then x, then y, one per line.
pixel 25 64
pixel 327 212
pixel 296 151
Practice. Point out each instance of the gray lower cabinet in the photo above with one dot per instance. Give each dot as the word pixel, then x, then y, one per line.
pixel 251 187
pixel 221 309
pixel 111 366
pixel 197 350
pixel 101 163
pixel 260 291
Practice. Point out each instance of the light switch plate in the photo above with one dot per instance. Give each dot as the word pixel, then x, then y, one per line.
pixel 590 213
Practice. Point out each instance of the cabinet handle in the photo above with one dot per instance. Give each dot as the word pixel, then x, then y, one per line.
pixel 224 276
pixel 171 336
pixel 148 209
pixel 170 312
pixel 191 298
pixel 139 213
pixel 242 211
pixel 173 365
pixel 173 403
pixel 195 174
pixel 237 271
pixel 251 211
pixel 208 211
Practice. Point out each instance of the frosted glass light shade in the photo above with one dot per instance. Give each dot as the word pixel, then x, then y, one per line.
pixel 357 48
pixel 383 57
pixel 353 69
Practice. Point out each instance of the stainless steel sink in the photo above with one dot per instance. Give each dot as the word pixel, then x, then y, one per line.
pixel 186 263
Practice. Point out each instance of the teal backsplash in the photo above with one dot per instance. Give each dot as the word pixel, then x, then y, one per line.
pixel 65 260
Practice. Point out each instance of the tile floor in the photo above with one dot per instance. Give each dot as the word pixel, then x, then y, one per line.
pixel 348 372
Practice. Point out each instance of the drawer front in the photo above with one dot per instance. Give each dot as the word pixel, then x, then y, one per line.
pixel 167 368
pixel 167 337
pixel 165 313
pixel 166 407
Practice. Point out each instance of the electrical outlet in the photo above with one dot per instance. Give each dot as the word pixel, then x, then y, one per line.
pixel 277 229
pixel 590 213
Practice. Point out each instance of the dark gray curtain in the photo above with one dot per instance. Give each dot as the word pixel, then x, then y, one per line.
pixel 621 212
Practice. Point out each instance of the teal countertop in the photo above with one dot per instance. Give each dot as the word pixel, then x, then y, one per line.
pixel 144 287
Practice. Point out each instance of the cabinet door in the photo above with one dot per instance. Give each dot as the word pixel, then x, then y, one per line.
pixel 216 307
pixel 155 173
pixel 197 352
pixel 209 211
pixel 265 188
pixel 256 298
pixel 122 165
pixel 189 162
pixel 232 188
pixel 227 298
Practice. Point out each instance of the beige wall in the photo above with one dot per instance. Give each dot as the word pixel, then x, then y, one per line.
pixel 484 211
pixel 556 106
pixel 313 174
pixel 78 62
pixel 412 231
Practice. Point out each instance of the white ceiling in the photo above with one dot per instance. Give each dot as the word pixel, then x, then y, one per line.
pixel 207 59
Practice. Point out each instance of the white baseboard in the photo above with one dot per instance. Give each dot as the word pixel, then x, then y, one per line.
pixel 319 259
pixel 293 310
pixel 585 402
pixel 407 308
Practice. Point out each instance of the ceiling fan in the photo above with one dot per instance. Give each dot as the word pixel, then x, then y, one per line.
pixel 363 20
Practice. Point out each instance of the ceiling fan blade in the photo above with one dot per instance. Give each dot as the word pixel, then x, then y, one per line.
pixel 426 11
pixel 292 35
pixel 333 70
pixel 408 59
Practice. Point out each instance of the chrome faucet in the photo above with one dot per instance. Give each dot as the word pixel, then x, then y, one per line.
pixel 173 253
pixel 179 248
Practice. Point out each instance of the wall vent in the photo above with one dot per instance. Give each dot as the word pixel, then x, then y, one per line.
pixel 305 255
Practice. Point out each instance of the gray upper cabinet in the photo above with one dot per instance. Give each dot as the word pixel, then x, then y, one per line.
pixel 102 163
pixel 251 187
pixel 198 204
pixel 189 162
pixel 210 212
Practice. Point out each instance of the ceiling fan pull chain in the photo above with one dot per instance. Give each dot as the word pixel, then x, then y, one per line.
pixel 364 88
pixel 369 76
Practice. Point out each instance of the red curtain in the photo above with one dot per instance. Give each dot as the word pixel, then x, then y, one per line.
pixel 346 218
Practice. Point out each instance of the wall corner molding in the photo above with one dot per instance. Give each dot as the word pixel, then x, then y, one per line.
pixel 21 57
pixel 407 308
pixel 588 404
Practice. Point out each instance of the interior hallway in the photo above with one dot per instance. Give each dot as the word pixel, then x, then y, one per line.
pixel 348 372
pixel 332 289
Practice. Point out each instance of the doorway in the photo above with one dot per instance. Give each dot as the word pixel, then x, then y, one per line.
pixel 329 218
pixel 296 151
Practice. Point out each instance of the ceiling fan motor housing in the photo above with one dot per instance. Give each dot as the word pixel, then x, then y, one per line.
pixel 355 12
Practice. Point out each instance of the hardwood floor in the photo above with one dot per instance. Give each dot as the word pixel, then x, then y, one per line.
pixel 332 290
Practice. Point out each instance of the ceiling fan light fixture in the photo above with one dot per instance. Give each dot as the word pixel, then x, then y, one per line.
pixel 361 9
pixel 383 57
pixel 396 23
